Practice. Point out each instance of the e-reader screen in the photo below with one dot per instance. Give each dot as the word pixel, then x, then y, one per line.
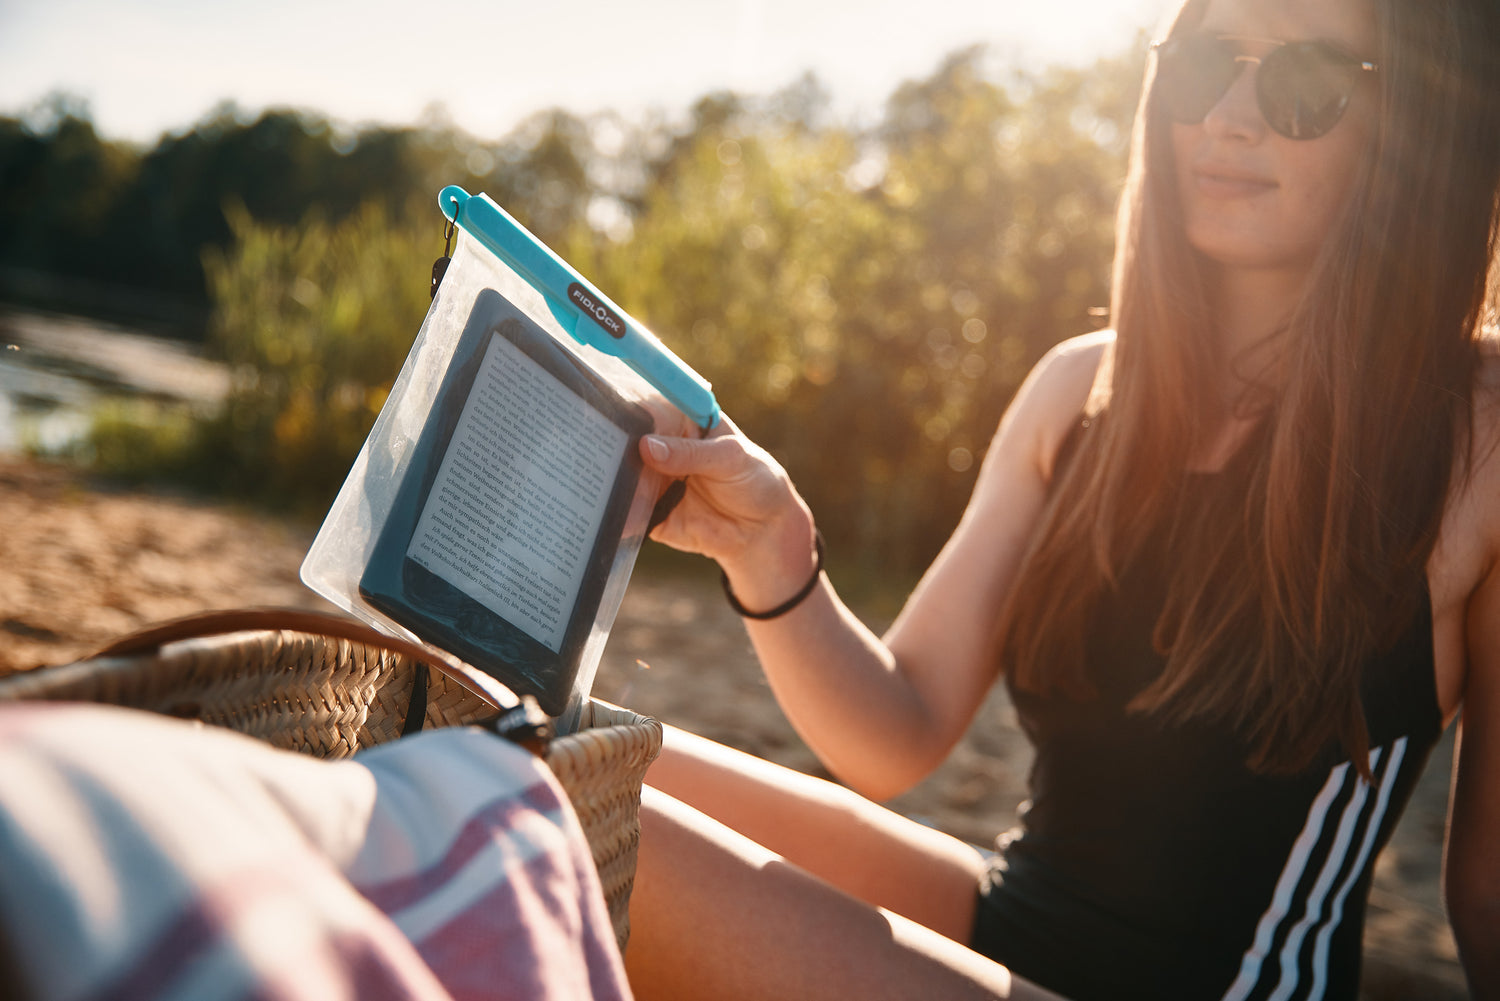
pixel 506 523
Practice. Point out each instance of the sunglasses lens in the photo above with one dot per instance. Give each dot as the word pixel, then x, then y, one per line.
pixel 1194 71
pixel 1303 89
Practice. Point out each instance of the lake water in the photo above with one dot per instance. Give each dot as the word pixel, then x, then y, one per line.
pixel 56 370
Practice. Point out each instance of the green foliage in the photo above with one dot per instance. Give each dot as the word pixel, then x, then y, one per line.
pixel 864 301
pixel 314 322
pixel 110 217
pixel 137 442
pixel 59 184
pixel 866 305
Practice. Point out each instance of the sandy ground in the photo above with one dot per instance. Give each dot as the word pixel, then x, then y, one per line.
pixel 80 565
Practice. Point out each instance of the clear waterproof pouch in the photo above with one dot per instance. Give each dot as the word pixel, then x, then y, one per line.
pixel 498 504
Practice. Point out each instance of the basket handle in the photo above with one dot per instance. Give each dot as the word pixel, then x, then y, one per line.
pixel 238 620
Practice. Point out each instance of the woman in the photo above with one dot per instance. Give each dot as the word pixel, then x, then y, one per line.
pixel 1238 562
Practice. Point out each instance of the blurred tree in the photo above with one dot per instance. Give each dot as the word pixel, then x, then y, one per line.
pixel 58 183
pixel 544 174
pixel 74 205
pixel 315 321
pixel 733 259
pixel 865 301
pixel 176 207
pixel 890 289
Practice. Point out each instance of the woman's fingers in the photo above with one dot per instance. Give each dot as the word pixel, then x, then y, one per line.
pixel 731 475
pixel 723 458
pixel 735 492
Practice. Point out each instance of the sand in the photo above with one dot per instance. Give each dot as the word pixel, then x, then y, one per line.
pixel 80 564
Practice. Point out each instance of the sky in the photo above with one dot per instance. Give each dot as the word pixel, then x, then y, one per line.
pixel 149 66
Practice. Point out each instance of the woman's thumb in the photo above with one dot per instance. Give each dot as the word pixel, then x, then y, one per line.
pixel 673 456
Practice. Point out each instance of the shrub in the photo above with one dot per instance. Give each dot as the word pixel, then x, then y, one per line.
pixel 314 322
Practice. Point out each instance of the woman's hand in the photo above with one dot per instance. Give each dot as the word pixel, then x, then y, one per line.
pixel 740 509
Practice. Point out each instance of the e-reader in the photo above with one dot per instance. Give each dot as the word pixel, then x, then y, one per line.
pixel 500 540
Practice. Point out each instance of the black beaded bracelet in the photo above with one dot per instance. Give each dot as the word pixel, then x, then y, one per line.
pixel 790 603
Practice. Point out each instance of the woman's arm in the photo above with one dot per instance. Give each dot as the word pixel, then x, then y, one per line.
pixel 1471 864
pixel 880 714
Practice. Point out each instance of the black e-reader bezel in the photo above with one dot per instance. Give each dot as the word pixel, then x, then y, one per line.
pixel 442 614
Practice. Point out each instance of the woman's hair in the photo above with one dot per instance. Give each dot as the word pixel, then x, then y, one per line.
pixel 1314 557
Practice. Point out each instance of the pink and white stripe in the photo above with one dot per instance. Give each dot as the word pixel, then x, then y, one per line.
pixel 145 858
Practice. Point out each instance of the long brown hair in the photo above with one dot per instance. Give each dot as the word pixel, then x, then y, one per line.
pixel 1278 598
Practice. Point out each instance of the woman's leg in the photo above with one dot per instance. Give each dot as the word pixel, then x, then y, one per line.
pixel 860 847
pixel 714 915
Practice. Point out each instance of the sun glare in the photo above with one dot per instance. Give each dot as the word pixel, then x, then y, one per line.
pixel 143 67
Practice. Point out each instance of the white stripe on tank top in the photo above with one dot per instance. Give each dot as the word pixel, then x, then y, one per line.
pixel 1253 967
pixel 1320 951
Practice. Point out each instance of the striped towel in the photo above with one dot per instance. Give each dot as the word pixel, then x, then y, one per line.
pixel 144 857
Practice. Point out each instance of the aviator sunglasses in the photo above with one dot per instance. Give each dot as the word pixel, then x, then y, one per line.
pixel 1302 87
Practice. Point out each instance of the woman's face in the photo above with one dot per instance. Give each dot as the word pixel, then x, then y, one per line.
pixel 1252 198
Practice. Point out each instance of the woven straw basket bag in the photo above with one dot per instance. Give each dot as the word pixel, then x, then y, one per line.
pixel 328 686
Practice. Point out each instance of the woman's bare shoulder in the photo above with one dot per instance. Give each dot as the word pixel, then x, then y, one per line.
pixel 1077 359
pixel 1468 546
pixel 1055 393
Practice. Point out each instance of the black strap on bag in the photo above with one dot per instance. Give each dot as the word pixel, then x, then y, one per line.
pixel 440 266
pixel 670 497
pixel 416 709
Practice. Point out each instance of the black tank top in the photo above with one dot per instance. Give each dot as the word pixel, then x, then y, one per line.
pixel 1150 862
